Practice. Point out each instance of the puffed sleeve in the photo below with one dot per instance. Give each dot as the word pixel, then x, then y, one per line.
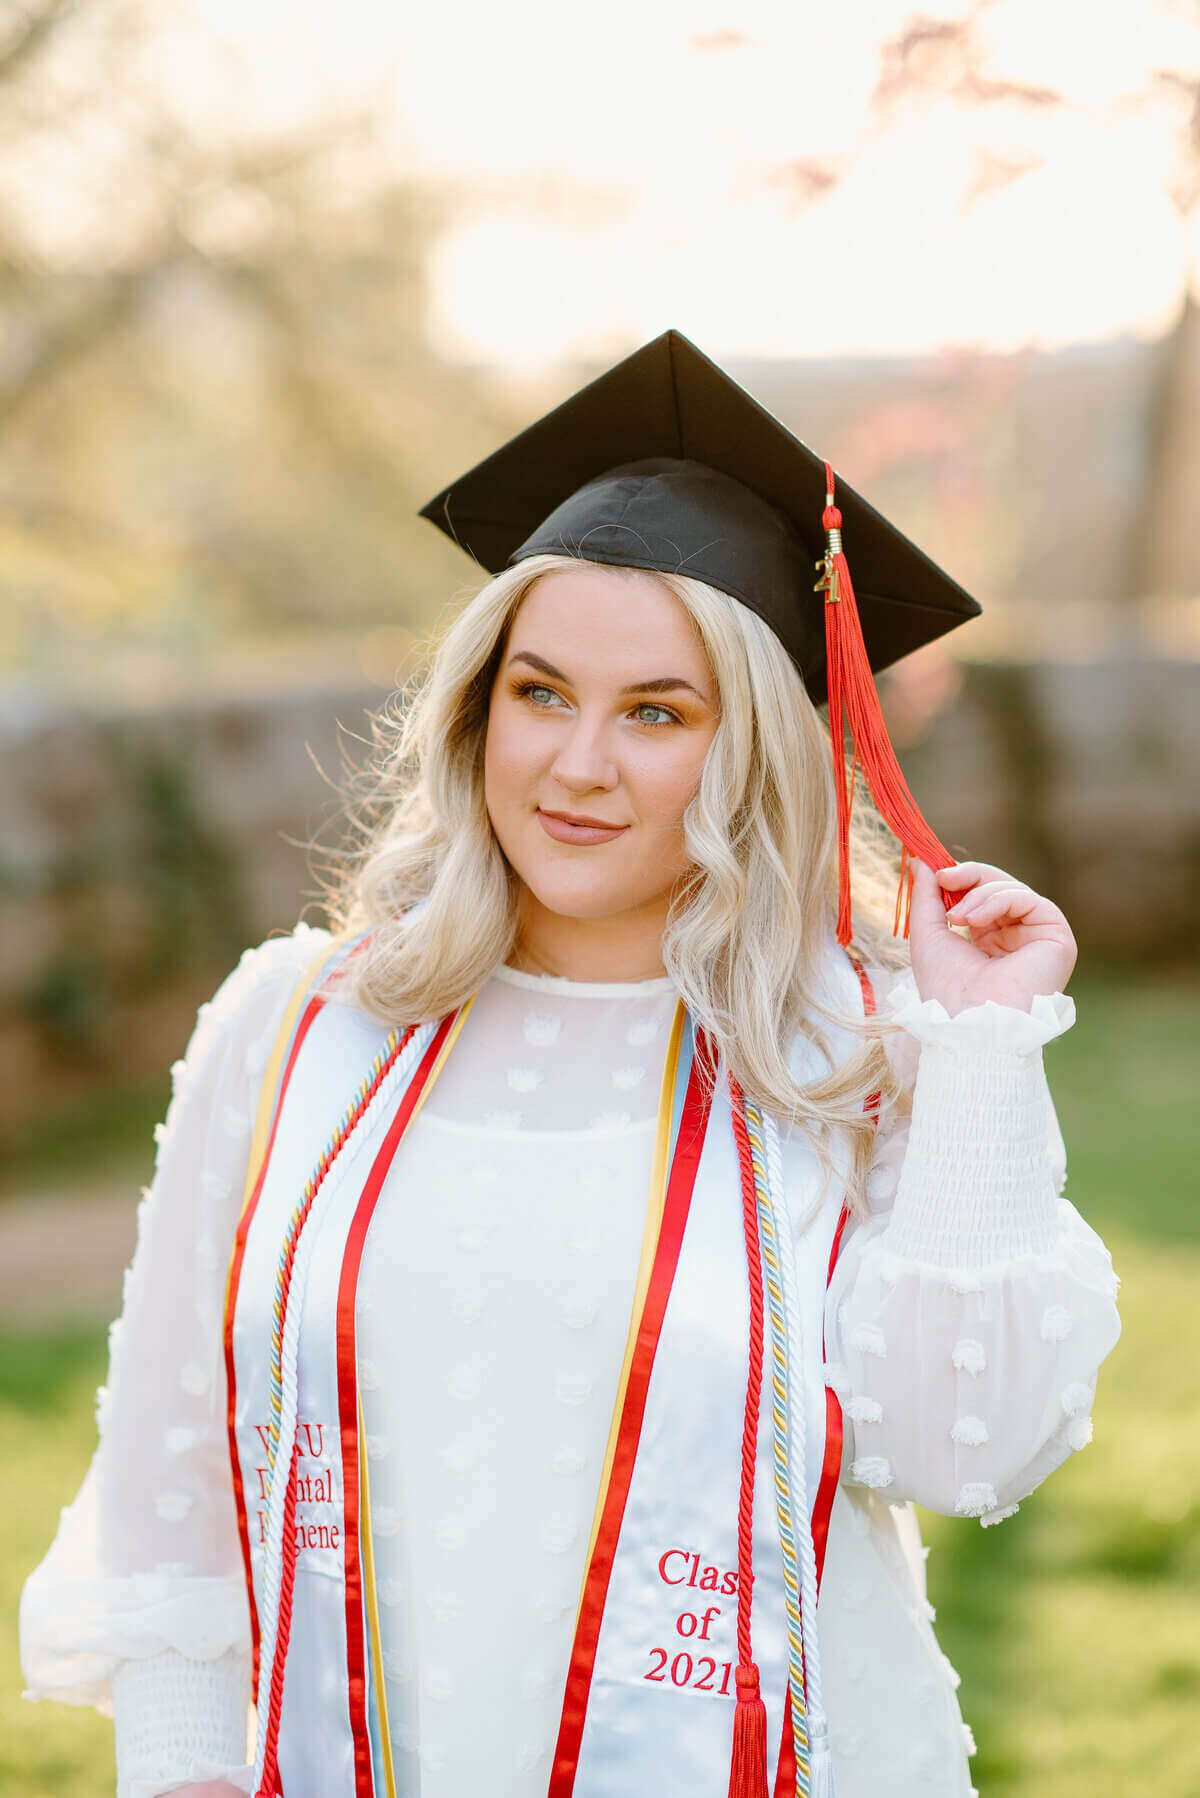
pixel 967 1318
pixel 139 1607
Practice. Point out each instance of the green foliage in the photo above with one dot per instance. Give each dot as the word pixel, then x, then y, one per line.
pixel 188 874
pixel 1073 1623
pixel 69 1003
pixel 152 857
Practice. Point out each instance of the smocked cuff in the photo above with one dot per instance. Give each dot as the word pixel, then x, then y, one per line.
pixel 180 1722
pixel 977 1187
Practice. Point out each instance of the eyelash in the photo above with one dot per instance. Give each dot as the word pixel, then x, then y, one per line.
pixel 526 688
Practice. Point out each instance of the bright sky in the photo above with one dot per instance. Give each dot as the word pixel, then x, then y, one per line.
pixel 625 175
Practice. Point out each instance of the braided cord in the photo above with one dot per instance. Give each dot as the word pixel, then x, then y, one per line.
pixel 817 1743
pixel 784 1422
pixel 287 1253
pixel 290 1279
pixel 391 1066
pixel 753 1377
pixel 802 1510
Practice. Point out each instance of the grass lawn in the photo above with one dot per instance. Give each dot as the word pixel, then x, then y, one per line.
pixel 1075 1624
pixel 47 1390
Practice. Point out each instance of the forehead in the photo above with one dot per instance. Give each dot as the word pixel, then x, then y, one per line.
pixel 601 618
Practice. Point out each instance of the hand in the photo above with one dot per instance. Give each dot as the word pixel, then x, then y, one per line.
pixel 212 1788
pixel 1020 944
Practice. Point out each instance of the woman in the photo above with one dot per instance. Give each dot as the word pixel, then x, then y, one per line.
pixel 486 1472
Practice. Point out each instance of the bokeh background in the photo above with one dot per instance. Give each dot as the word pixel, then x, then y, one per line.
pixel 271 273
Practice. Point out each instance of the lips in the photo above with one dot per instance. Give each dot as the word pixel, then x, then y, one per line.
pixel 575 818
pixel 568 828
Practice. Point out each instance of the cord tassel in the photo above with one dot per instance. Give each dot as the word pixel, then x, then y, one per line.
pixel 748 1768
pixel 854 701
pixel 820 1765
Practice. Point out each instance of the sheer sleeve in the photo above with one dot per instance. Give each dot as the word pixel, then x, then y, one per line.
pixel 139 1607
pixel 967 1318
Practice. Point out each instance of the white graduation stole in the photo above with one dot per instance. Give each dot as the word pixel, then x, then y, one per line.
pixel 649 1697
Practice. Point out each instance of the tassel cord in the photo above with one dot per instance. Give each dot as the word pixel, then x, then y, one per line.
pixel 854 704
pixel 279 1567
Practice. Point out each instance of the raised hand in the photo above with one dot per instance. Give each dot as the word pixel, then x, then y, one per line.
pixel 1020 944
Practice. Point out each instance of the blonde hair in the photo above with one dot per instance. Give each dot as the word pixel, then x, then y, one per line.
pixel 748 924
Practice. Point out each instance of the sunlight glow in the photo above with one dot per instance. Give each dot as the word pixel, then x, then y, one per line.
pixel 719 168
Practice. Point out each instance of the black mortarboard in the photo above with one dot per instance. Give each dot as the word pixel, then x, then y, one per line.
pixel 664 462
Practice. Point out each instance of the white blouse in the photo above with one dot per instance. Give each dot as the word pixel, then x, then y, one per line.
pixel 965 1325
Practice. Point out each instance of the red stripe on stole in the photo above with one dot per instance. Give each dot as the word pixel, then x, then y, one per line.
pixel 832 1464
pixel 347 1381
pixel 231 1296
pixel 680 1183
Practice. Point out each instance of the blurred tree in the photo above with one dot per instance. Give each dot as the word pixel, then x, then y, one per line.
pixel 953 57
pixel 219 408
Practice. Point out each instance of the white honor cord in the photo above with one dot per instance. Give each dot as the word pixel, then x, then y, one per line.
pixel 290 1406
pixel 818 1731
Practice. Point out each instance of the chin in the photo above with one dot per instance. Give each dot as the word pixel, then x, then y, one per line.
pixel 571 888
pixel 578 898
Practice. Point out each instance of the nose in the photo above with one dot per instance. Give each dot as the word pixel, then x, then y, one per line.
pixel 583 762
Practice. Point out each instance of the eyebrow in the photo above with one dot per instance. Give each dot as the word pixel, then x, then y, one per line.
pixel 665 683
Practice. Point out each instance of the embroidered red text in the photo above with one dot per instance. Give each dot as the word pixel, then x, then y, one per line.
pixel 314 1487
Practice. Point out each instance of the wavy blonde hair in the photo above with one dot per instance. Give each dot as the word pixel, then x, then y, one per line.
pixel 748 924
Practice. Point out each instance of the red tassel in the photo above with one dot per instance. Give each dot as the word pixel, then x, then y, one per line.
pixel 748 1768
pixel 854 701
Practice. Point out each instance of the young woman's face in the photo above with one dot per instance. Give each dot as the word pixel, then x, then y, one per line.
pixel 600 717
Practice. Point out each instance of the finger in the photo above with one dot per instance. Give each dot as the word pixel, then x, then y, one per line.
pixel 1014 904
pixel 928 911
pixel 968 874
pixel 1014 890
pixel 928 915
pixel 994 889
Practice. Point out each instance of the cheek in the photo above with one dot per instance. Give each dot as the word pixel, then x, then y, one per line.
pixel 508 759
pixel 664 786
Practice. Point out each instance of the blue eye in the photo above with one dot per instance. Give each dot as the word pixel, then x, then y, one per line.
pixel 528 689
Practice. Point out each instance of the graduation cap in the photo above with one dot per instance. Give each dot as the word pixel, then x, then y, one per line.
pixel 665 463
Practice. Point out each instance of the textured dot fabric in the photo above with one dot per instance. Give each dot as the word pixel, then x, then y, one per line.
pixel 965 1326
pixel 499 1273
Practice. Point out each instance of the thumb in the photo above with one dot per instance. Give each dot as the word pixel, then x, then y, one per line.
pixel 928 914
